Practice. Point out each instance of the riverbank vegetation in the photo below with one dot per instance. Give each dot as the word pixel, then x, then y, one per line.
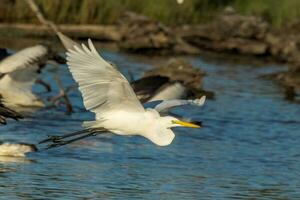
pixel 278 13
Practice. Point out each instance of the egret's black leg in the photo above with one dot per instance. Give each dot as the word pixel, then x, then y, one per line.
pixel 54 138
pixel 64 142
pixel 56 141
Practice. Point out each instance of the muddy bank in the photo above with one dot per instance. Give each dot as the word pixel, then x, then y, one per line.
pixel 230 33
pixel 101 33
pixel 290 81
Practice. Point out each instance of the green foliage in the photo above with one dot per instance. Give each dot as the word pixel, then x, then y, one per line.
pixel 108 11
pixel 278 12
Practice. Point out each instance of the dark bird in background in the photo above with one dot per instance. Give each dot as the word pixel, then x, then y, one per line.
pixel 175 80
pixel 3 53
pixel 8 113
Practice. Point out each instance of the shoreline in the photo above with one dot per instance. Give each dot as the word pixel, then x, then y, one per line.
pixel 231 34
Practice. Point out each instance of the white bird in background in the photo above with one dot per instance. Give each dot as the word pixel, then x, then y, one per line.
pixel 16 149
pixel 107 93
pixel 18 73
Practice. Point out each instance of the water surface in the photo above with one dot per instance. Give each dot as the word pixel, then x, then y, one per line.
pixel 247 149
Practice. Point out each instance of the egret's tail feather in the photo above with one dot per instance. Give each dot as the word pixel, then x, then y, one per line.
pixel 57 141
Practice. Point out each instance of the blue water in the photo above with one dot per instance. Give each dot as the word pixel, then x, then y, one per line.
pixel 249 147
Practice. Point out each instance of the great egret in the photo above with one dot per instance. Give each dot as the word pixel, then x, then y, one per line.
pixel 107 93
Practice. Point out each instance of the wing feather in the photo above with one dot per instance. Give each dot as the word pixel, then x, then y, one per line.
pixel 103 87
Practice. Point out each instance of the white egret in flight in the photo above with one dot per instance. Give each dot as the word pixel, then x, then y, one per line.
pixel 108 94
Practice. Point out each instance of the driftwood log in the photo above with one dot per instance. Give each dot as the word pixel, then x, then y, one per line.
pixel 103 33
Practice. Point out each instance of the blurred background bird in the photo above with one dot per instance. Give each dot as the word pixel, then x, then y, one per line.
pixel 6 112
pixel 177 79
pixel 21 70
pixel 18 74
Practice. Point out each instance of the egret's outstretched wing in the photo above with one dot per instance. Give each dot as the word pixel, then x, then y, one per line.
pixel 103 87
pixel 168 104
pixel 23 59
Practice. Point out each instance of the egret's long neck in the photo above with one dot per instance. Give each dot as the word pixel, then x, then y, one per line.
pixel 160 137
pixel 157 130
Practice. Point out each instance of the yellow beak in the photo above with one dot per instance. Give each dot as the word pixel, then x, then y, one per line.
pixel 186 124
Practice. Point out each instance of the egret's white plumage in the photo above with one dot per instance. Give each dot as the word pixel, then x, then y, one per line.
pixel 18 74
pixel 107 93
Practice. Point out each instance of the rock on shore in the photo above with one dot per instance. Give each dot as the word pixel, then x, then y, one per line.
pixel 143 35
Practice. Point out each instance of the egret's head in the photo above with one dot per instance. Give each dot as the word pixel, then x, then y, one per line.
pixel 174 122
pixel 161 133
